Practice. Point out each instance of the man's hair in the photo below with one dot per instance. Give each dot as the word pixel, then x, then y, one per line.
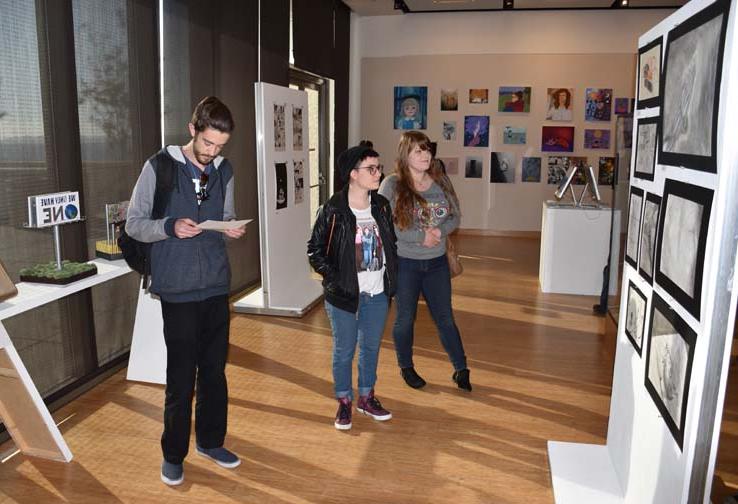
pixel 212 113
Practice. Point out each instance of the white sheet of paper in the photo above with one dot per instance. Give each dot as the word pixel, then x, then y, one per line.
pixel 223 225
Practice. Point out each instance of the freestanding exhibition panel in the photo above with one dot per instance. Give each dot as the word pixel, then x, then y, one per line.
pixel 679 291
pixel 287 287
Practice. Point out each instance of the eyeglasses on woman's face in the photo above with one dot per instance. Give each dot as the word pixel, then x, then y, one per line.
pixel 373 169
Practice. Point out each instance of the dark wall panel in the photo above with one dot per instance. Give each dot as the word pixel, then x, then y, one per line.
pixel 275 41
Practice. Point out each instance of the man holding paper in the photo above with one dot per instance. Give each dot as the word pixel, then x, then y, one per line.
pixel 191 275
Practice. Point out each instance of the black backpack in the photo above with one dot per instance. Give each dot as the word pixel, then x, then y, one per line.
pixel 138 254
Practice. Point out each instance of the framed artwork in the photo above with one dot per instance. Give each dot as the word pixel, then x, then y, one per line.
pixel 649 74
pixel 669 365
pixel 513 136
pixel 451 165
pixel 473 167
pixel 280 172
pixel 296 128
pixel 411 107
pixel 635 317
pixel 279 127
pixel 691 89
pixel 476 131
pixel 557 168
pixel 651 208
pixel 449 99
pixel 449 130
pixel 635 206
pixel 621 106
pixel 478 96
pixel 531 169
pixel 559 104
pixel 596 139
pixel 598 104
pixel 645 151
pixel 682 237
pixel 557 139
pixel 502 168
pixel 299 181
pixel 514 99
pixel 606 173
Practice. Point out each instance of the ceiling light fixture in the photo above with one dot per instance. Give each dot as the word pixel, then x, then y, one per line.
pixel 508 4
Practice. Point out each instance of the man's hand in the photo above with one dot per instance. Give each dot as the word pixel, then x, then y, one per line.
pixel 236 233
pixel 186 228
pixel 432 237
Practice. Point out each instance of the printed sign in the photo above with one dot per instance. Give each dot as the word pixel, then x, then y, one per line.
pixel 51 209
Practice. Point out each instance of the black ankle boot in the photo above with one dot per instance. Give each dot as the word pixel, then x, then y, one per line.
pixel 462 379
pixel 412 378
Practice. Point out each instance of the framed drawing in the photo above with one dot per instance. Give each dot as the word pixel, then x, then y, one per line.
pixel 634 226
pixel 669 365
pixel 682 236
pixel 649 74
pixel 651 208
pixel 635 317
pixel 645 151
pixel 691 89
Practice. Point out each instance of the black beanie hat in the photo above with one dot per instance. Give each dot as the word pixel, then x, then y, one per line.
pixel 349 159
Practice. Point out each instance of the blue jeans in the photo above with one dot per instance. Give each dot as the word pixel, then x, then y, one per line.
pixel 433 279
pixel 366 327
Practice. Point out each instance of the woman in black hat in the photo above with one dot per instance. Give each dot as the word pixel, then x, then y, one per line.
pixel 353 247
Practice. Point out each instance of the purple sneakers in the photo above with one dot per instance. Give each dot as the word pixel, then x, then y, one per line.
pixel 370 406
pixel 343 415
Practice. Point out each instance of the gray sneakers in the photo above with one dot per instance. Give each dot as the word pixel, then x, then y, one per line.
pixel 220 456
pixel 172 474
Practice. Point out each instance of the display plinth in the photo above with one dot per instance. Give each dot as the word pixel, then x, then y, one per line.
pixel 22 408
pixel 254 302
pixel 582 474
pixel 574 243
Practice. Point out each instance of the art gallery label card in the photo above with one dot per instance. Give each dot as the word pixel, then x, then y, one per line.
pixel 46 210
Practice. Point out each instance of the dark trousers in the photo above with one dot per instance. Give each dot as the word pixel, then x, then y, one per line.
pixel 196 335
pixel 433 279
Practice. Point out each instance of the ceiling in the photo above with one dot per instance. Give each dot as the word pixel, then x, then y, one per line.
pixel 387 7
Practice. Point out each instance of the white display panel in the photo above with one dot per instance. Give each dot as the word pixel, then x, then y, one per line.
pixel 658 453
pixel 287 287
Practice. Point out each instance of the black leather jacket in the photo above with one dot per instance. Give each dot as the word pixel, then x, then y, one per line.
pixel 332 252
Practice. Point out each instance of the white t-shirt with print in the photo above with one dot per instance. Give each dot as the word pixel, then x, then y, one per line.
pixel 369 252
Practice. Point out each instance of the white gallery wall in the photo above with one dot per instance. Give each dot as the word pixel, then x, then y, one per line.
pixel 488 50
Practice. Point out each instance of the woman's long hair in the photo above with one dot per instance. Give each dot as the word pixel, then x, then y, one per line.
pixel 405 191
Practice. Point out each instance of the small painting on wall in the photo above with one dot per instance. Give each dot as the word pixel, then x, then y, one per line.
pixel 449 99
pixel 557 139
pixel 598 104
pixel 473 167
pixel 449 130
pixel 559 104
pixel 513 136
pixel 411 107
pixel 596 139
pixel 476 131
pixel 514 99
pixel 478 96
pixel 531 169
pixel 502 168
pixel 451 165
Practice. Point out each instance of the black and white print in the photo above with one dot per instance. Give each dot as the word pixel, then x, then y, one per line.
pixel 635 317
pixel 669 365
pixel 634 226
pixel 648 236
pixel 279 125
pixel 645 155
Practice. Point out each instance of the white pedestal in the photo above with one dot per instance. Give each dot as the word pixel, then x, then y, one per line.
pixel 574 245
pixel 22 408
pixel 582 474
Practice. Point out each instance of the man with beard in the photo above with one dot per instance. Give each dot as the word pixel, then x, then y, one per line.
pixel 180 187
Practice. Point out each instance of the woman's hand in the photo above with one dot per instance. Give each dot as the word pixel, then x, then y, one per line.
pixel 432 237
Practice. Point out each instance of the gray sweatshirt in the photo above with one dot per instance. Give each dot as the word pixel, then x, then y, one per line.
pixel 439 213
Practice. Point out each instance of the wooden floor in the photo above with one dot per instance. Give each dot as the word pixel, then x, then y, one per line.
pixel 540 365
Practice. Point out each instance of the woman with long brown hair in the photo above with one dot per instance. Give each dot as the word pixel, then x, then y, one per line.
pixel 425 209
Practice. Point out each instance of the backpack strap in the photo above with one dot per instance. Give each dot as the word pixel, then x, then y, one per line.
pixel 166 172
